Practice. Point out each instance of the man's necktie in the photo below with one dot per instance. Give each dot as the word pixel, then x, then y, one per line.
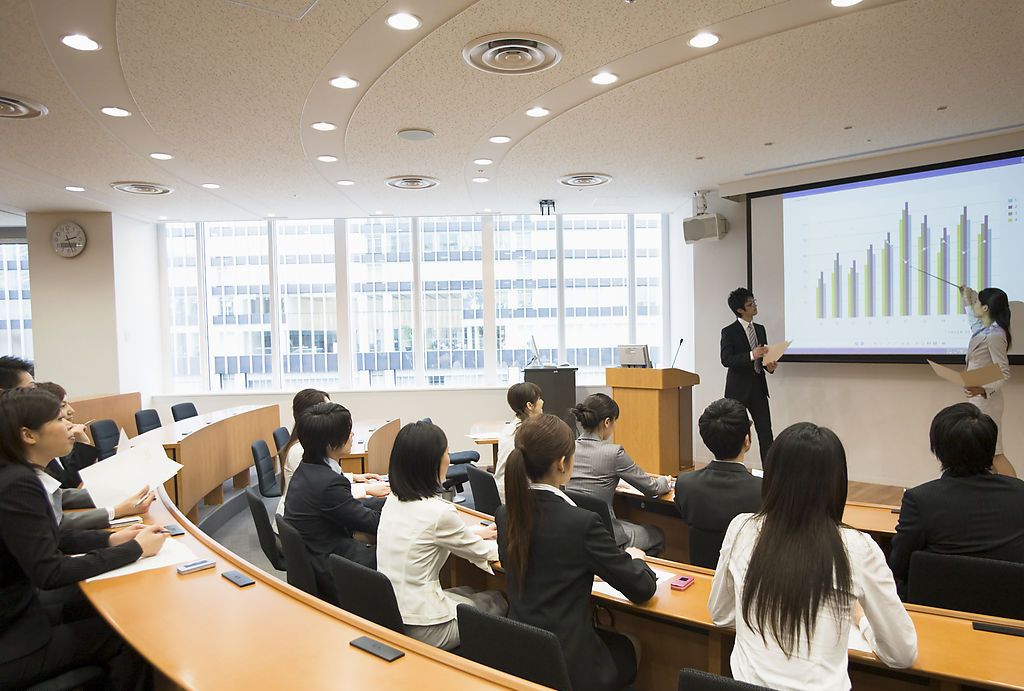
pixel 753 344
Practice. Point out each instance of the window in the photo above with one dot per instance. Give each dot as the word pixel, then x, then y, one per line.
pixel 647 260
pixel 15 301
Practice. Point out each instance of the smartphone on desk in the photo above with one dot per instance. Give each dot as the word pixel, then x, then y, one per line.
pixel 681 582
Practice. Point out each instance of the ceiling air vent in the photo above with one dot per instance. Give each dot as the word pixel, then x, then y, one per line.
pixel 412 182
pixel 512 53
pixel 585 180
pixel 144 188
pixel 18 108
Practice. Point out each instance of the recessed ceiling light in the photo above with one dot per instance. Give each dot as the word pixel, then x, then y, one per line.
pixel 344 82
pixel 481 179
pixel 604 78
pixel 415 134
pixel 537 112
pixel 326 158
pixel 500 139
pixel 378 212
pixel 74 188
pixel 487 211
pixel 346 183
pixel 324 126
pixel 115 112
pixel 211 185
pixel 482 161
pixel 703 40
pixel 161 156
pixel 79 42
pixel 845 3
pixel 162 218
pixel 403 21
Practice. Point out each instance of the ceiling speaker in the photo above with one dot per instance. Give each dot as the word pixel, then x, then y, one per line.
pixel 704 226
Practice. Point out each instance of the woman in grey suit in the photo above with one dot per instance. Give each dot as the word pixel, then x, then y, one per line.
pixel 600 465
pixel 989 312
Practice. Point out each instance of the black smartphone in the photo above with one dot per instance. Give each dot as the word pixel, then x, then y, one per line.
pixel 384 652
pixel 238 578
pixel 173 530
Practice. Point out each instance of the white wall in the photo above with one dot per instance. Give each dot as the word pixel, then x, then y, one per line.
pixel 136 273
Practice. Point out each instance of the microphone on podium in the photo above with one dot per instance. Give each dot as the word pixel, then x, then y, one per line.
pixel 676 356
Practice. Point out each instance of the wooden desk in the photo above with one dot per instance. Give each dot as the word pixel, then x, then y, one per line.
pixel 487 440
pixel 201 632
pixel 213 448
pixel 120 408
pixel 676 631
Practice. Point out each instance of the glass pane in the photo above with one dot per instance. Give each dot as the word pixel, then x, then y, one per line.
pixel 238 305
pixel 526 292
pixel 15 301
pixel 452 298
pixel 309 313
pixel 183 306
pixel 596 292
pixel 649 321
pixel 380 288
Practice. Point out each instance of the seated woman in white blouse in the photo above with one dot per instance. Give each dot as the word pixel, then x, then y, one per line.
pixel 793 580
pixel 418 530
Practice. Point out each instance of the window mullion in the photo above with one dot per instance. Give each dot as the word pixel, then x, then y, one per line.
pixel 203 307
pixel 276 351
pixel 418 344
pixel 631 276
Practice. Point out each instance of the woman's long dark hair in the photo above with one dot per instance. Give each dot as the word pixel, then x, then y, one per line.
pixel 324 426
pixel 520 394
pixel 595 409
pixel 998 308
pixel 540 442
pixel 303 401
pixel 799 563
pixel 29 408
pixel 415 466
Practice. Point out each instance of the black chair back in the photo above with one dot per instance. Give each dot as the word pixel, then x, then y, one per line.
pixel 696 680
pixel 512 647
pixel 265 475
pixel 78 679
pixel 281 437
pixel 297 558
pixel 104 437
pixel 147 420
pixel 705 545
pixel 592 503
pixel 966 584
pixel 269 542
pixel 183 411
pixel 485 490
pixel 365 593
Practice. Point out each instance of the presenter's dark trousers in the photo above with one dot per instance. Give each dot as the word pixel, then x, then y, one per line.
pixel 761 414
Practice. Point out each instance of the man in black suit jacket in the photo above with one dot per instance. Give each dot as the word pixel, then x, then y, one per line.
pixel 969 510
pixel 708 499
pixel 744 344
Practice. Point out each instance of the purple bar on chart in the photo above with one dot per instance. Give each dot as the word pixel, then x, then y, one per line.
pixel 905 260
pixel 985 254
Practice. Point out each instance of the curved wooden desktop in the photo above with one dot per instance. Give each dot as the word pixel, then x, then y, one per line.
pixel 202 632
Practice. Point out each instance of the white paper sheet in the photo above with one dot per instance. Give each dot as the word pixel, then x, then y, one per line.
pixel 123 443
pixel 974 377
pixel 858 642
pixel 115 479
pixel 775 351
pixel 173 552
pixel 605 589
pixel 757 472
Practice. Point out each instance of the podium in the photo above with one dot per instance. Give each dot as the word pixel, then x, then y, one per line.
pixel 655 416
pixel 559 387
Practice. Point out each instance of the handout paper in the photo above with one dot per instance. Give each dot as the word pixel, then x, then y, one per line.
pixel 775 351
pixel 857 641
pixel 123 443
pixel 605 589
pixel 965 378
pixel 173 552
pixel 116 478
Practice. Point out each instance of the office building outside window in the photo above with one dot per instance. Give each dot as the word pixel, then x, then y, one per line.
pixel 647 263
pixel 182 275
pixel 15 301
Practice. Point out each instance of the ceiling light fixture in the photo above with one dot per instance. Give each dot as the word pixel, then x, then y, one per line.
pixel 403 21
pixel 162 218
pixel 415 134
pixel 80 42
pixel 324 126
pixel 604 78
pixel 326 158
pixel 482 161
pixel 346 183
pixel 537 112
pixel 115 112
pixel 378 212
pixel 161 156
pixel 845 3
pixel 487 211
pixel 500 139
pixel 74 188
pixel 704 39
pixel 344 82
pixel 211 185
pixel 481 179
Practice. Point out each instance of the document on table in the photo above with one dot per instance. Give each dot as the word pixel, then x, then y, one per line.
pixel 605 589
pixel 173 552
pixel 757 472
pixel 858 642
pixel 775 351
pixel 123 442
pixel 114 479
pixel 965 378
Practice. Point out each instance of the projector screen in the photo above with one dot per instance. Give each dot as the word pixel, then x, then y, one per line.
pixel 870 265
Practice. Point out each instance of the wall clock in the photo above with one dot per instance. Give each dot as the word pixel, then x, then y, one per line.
pixel 68 239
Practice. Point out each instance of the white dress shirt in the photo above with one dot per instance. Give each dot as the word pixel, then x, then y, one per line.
pixel 53 490
pixel 554 490
pixel 747 328
pixel 821 664
pixel 506 443
pixel 414 539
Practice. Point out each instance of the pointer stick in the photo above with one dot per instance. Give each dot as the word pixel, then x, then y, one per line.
pixel 932 275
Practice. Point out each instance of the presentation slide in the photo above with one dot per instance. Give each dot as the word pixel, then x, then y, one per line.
pixel 872 267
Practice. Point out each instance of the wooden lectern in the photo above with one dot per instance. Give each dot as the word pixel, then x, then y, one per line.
pixel 655 416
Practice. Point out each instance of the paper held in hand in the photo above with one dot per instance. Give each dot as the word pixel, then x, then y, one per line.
pixel 775 351
pixel 974 377
pixel 116 478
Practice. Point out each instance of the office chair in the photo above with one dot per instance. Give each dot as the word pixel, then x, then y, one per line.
pixel 105 435
pixel 696 680
pixel 265 475
pixel 281 437
pixel 485 490
pixel 147 420
pixel 512 647
pixel 705 546
pixel 300 565
pixel 270 543
pixel 966 584
pixel 365 593
pixel 592 503
pixel 78 679
pixel 183 411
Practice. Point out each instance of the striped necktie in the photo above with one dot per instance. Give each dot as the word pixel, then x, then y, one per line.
pixel 753 344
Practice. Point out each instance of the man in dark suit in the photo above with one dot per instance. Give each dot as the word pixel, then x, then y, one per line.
pixel 744 344
pixel 708 499
pixel 969 510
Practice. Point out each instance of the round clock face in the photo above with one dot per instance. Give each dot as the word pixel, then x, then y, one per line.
pixel 68 239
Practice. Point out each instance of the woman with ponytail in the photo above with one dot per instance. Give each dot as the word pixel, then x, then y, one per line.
pixel 600 464
pixel 989 312
pixel 551 550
